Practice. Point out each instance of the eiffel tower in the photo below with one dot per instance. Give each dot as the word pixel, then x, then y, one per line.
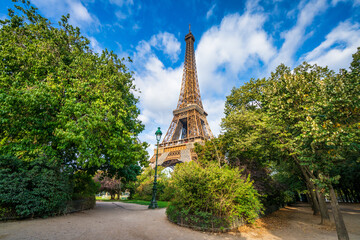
pixel 189 124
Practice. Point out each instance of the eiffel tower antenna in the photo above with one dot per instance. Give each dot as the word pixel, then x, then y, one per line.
pixel 189 124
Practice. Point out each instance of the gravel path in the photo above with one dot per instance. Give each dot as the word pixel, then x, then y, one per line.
pixel 131 221
pixel 106 221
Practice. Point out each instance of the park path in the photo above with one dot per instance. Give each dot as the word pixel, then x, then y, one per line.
pixel 108 220
pixel 116 220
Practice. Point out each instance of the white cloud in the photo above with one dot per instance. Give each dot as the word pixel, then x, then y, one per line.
pixel 223 52
pixel 160 88
pixel 295 37
pixel 95 45
pixel 215 109
pixel 210 12
pixel 167 43
pixel 253 6
pixel 149 137
pixel 120 15
pixel 124 8
pixel 121 3
pixel 337 49
pixel 136 27
pixel 226 50
pixel 159 85
pixel 79 15
pixel 79 11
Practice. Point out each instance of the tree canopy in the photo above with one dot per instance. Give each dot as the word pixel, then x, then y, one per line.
pixel 306 118
pixel 65 112
pixel 61 100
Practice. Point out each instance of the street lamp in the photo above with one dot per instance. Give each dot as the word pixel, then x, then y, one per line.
pixel 153 203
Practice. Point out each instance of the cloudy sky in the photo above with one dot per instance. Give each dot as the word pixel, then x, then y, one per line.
pixel 236 40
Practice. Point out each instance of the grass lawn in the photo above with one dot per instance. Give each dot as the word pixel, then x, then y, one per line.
pixel 161 204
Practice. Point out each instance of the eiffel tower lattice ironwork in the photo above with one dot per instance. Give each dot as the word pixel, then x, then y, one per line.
pixel 189 124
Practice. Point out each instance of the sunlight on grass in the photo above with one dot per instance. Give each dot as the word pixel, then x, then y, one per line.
pixel 161 204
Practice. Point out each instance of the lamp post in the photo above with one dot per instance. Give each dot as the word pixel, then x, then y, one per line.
pixel 153 203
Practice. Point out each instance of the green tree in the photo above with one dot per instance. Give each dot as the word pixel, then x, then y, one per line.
pixel 115 181
pixel 320 111
pixel 213 149
pixel 256 135
pixel 308 117
pixel 60 101
pixel 250 141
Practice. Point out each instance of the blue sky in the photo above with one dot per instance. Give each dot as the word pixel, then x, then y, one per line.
pixel 235 41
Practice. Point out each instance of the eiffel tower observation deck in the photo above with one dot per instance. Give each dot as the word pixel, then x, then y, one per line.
pixel 189 124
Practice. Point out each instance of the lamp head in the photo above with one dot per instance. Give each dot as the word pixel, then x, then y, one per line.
pixel 158 134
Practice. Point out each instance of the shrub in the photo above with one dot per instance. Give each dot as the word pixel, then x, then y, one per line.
pixel 168 191
pixel 145 184
pixel 207 194
pixel 36 188
pixel 144 190
pixel 83 185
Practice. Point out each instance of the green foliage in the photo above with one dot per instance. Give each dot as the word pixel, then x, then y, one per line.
pixel 220 192
pixel 115 181
pixel 289 177
pixel 60 100
pixel 63 108
pixel 251 140
pixel 145 184
pixel 246 96
pixel 204 221
pixel 319 111
pixel 168 191
pixel 83 185
pixel 36 188
pixel 131 186
pixel 307 117
pixel 212 150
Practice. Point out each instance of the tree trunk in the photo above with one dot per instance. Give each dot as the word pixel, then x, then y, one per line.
pixel 314 203
pixel 324 212
pixel 118 194
pixel 325 219
pixel 339 221
pixel 318 204
pixel 316 207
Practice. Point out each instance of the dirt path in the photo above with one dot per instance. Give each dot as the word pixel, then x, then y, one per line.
pixel 297 222
pixel 130 221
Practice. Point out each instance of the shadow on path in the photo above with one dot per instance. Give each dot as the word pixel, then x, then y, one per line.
pixel 117 220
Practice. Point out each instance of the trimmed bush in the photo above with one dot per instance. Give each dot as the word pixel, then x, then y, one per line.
pixel 36 188
pixel 214 197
